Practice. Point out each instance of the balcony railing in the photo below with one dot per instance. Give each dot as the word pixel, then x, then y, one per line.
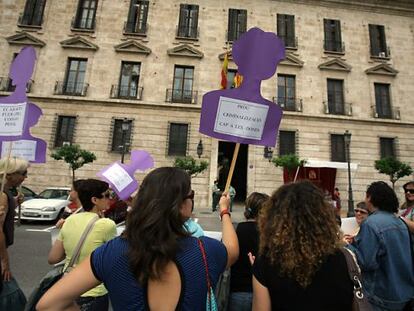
pixel 126 92
pixel 71 89
pixel 7 86
pixel 334 46
pixel 382 54
pixel 135 28
pixel 187 32
pixel 338 109
pixel 290 41
pixel 386 113
pixel 31 20
pixel 181 96
pixel 83 24
pixel 289 104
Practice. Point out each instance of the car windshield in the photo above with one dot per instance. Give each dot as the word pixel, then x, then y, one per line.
pixel 54 194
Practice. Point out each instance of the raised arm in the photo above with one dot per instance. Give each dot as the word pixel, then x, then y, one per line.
pixel 229 236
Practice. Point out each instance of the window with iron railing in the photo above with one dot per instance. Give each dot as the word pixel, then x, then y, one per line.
pixel 121 134
pixel 286 29
pixel 85 16
pixel 336 96
pixel 137 17
pixel 177 139
pixel 188 21
pixel 129 79
pixel 287 142
pixel 33 13
pixel 74 83
pixel 338 148
pixel 183 84
pixel 237 24
pixel 383 101
pixel 387 147
pixel 333 37
pixel 65 130
pixel 286 91
pixel 378 44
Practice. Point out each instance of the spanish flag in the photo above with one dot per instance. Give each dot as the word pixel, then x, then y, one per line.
pixel 238 79
pixel 223 83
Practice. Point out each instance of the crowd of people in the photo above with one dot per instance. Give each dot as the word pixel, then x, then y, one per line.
pixel 287 255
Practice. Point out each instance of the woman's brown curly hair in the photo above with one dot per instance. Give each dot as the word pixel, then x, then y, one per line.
pixel 298 231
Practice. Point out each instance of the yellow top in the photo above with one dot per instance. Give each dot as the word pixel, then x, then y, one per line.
pixel 103 230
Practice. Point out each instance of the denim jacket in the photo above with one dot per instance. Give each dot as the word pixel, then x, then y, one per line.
pixel 382 247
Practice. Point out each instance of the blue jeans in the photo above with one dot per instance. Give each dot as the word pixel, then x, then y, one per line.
pixel 100 303
pixel 240 301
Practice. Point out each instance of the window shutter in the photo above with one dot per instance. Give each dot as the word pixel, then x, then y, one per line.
pixel 194 25
pixel 281 30
pixel 182 25
pixel 291 30
pixel 232 24
pixel 383 43
pixel 28 12
pixel 373 37
pixel 338 36
pixel 327 31
pixel 243 22
pixel 132 14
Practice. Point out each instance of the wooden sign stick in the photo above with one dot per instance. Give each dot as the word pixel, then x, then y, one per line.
pixel 6 167
pixel 233 164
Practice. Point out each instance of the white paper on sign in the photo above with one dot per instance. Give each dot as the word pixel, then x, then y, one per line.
pixel 118 177
pixel 240 118
pixel 12 119
pixel 25 149
pixel 349 225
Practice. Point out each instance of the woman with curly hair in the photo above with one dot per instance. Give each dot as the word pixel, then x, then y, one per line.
pixel 300 265
pixel 156 264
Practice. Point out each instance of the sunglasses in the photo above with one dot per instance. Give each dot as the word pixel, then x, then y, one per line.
pixel 190 196
pixel 410 191
pixel 106 195
pixel 24 173
pixel 361 211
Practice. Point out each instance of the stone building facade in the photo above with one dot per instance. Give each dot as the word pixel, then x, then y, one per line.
pixel 147 64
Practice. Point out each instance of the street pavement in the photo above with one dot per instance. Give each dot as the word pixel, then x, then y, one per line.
pixel 28 254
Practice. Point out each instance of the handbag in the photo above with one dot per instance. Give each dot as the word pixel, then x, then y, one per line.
pixel 360 301
pixel 223 290
pixel 58 271
pixel 12 297
pixel 211 303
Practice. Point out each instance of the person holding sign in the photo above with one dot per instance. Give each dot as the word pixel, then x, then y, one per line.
pixel 155 264
pixel 13 171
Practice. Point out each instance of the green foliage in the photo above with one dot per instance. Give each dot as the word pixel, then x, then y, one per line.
pixel 74 156
pixel 190 165
pixel 393 168
pixel 289 161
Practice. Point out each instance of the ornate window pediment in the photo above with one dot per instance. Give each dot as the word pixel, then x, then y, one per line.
pixel 291 60
pixel 78 43
pixel 132 46
pixel 382 69
pixel 24 38
pixel 335 64
pixel 186 51
pixel 229 57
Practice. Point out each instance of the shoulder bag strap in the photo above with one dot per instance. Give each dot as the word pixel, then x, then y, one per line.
pixel 82 239
pixel 203 253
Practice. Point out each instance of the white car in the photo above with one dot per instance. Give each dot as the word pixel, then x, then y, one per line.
pixel 49 205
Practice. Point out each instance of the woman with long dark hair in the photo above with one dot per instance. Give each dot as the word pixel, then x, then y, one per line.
pixel 300 265
pixel 155 264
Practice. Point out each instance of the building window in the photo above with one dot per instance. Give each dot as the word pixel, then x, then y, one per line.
pixel 122 129
pixel 338 148
pixel 75 76
pixel 377 40
pixel 231 74
pixel 33 13
pixel 128 81
pixel 333 40
pixel 382 100
pixel 237 24
pixel 65 130
pixel 188 22
pixel 387 147
pixel 137 17
pixel 287 142
pixel 335 96
pixel 183 84
pixel 177 139
pixel 85 17
pixel 286 29
pixel 286 92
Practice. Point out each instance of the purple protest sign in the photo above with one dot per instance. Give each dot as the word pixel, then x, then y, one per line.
pixel 121 176
pixel 17 115
pixel 242 115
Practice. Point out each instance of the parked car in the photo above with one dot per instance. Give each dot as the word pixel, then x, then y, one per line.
pixel 49 205
pixel 27 192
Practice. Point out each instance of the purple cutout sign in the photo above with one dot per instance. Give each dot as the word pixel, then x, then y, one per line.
pixel 121 176
pixel 17 115
pixel 242 115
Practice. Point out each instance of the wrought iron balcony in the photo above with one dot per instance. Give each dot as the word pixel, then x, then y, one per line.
pixel 135 28
pixel 289 104
pixel 344 109
pixel 83 24
pixel 31 20
pixel 181 96
pixel 7 86
pixel 187 32
pixel 334 46
pixel 71 89
pixel 290 41
pixel 386 112
pixel 126 92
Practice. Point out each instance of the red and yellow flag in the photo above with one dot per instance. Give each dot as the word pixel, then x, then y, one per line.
pixel 223 83
pixel 238 79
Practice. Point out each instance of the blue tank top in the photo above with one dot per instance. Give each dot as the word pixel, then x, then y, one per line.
pixel 110 265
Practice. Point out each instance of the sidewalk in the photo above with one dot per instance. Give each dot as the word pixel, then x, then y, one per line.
pixel 210 221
